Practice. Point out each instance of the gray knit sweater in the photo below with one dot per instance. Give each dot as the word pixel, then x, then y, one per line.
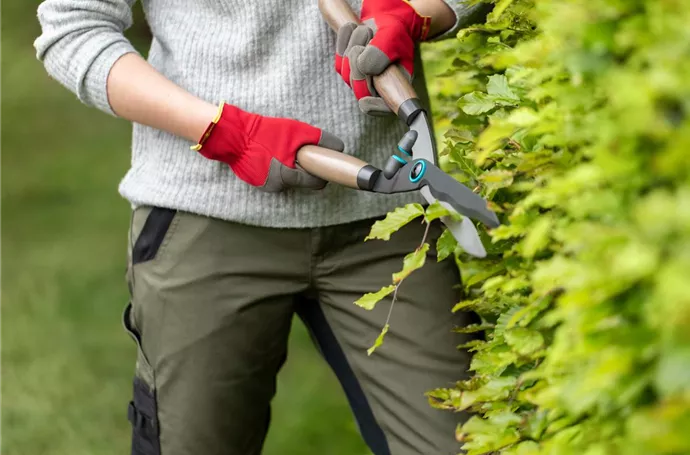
pixel 272 57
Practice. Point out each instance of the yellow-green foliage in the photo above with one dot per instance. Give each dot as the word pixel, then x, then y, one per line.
pixel 573 118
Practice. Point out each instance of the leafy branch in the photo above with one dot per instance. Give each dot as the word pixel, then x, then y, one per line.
pixel 414 261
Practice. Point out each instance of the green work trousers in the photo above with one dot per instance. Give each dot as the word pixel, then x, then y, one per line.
pixel 211 307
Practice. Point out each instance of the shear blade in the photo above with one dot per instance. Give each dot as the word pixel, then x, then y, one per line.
pixel 446 189
pixel 464 231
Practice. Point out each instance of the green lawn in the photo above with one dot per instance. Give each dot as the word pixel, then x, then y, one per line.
pixel 66 363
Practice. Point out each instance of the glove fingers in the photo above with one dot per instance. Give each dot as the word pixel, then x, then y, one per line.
pixel 330 141
pixel 299 178
pixel 374 106
pixel 372 61
pixel 362 85
pixel 281 177
pixel 342 40
pixel 360 36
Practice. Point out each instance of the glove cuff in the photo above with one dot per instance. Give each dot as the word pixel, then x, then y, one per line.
pixel 209 128
pixel 225 136
pixel 420 25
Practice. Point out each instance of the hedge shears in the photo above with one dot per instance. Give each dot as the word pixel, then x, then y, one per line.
pixel 414 167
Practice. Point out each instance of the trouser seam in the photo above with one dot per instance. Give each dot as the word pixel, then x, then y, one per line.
pixel 313 243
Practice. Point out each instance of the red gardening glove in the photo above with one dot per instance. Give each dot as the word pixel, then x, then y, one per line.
pixel 388 34
pixel 261 150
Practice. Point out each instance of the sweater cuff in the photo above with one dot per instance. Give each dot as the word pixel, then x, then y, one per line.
pixel 465 15
pixel 94 87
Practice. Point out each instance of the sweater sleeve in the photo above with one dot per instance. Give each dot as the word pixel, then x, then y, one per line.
pixel 80 43
pixel 465 15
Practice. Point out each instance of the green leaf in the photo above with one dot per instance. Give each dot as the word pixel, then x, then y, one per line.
pixel 527 314
pixel 524 341
pixel 435 211
pixel 524 448
pixel 507 231
pixel 497 178
pixel 369 301
pixel 505 319
pixel 412 262
pixel 500 7
pixel 379 340
pixel 662 427
pixel 472 383
pixel 472 276
pixel 496 389
pixel 471 345
pixel 466 165
pixel 445 245
pixel 523 117
pixel 492 362
pixel 467 304
pixel 484 436
pixel 537 237
pixel 473 328
pixel 490 139
pixel 492 285
pixel 673 372
pixel 458 135
pixel 441 398
pixel 498 88
pixel 476 103
pixel 395 220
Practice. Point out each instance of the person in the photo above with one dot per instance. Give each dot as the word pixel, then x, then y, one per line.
pixel 230 238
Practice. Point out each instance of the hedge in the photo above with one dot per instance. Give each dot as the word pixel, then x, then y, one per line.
pixel 572 118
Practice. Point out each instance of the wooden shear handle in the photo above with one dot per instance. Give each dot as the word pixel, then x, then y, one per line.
pixel 337 167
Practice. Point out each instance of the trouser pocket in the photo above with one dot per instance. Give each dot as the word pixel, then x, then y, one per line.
pixel 156 231
pixel 143 368
pixel 143 409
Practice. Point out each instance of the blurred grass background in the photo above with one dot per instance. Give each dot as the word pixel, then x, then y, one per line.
pixel 67 364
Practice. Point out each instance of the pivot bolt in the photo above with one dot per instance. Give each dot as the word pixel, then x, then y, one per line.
pixel 417 171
